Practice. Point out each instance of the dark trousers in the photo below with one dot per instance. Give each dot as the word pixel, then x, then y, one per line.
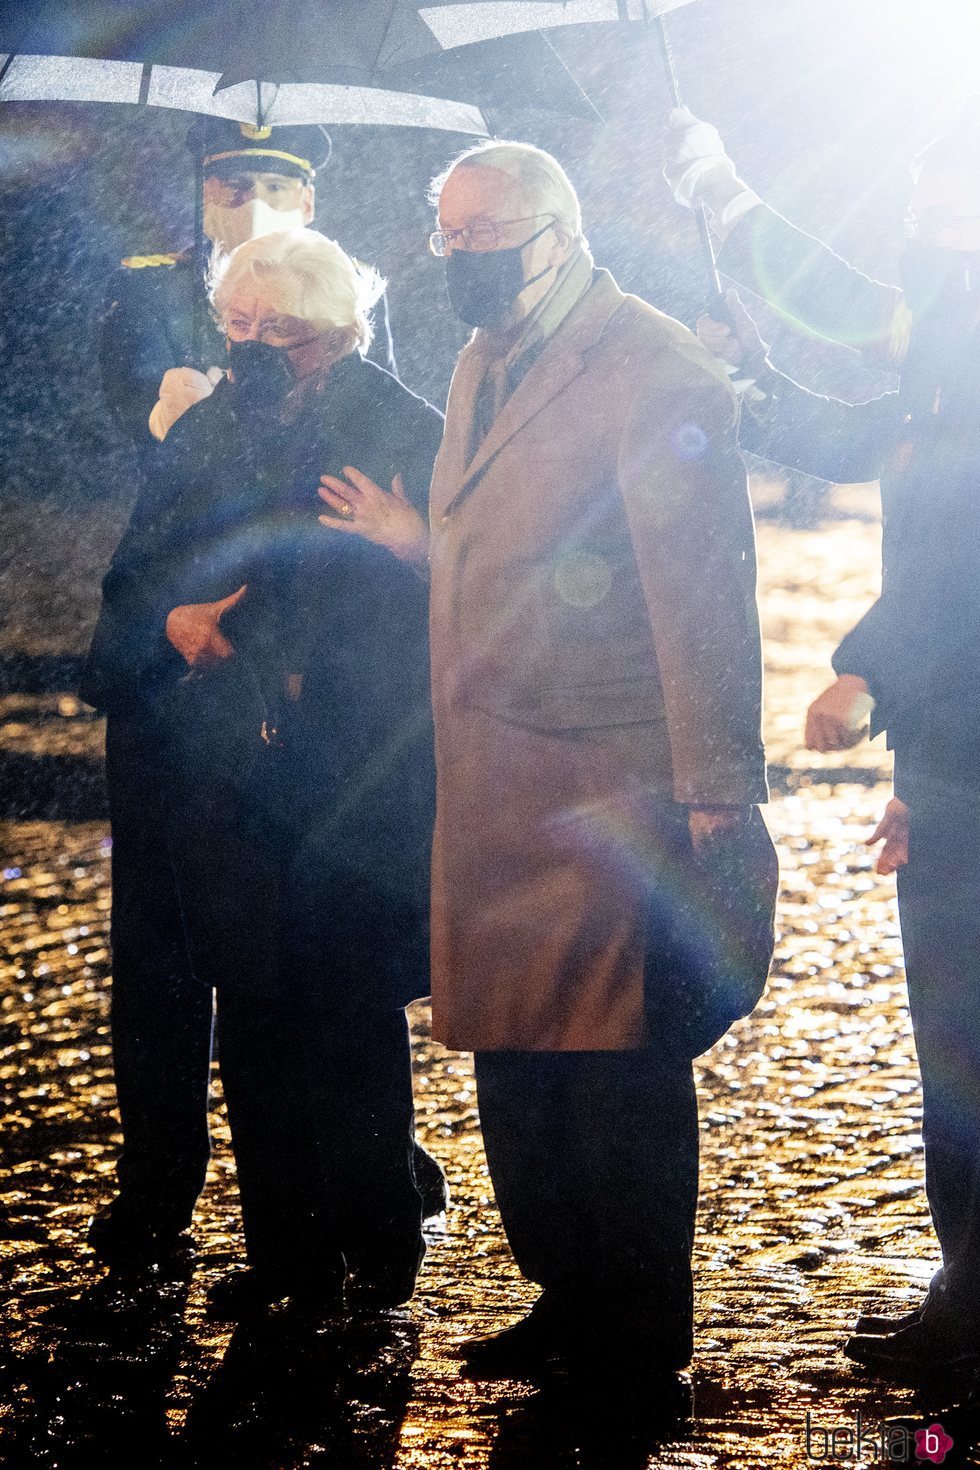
pixel 939 905
pixel 319 1101
pixel 321 1115
pixel 161 1014
pixel 594 1162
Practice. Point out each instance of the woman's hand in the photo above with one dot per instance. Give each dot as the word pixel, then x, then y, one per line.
pixel 194 632
pixel 387 518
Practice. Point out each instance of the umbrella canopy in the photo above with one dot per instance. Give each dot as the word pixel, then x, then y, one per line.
pixel 353 61
pixel 467 22
pixel 35 78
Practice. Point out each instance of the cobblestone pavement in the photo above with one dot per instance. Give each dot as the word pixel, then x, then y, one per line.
pixel 812 1205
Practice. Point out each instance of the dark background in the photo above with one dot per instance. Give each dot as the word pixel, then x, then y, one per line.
pixel 821 102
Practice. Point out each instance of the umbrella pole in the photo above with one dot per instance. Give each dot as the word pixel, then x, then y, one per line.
pixel 716 304
pixel 199 299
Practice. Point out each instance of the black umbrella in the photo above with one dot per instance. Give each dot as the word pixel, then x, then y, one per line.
pixel 337 61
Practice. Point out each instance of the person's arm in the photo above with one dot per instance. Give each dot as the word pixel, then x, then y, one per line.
pixel 845 443
pixel 814 288
pixel 135 350
pixel 130 652
pixel 782 421
pixel 799 275
pixel 686 498
pixel 786 423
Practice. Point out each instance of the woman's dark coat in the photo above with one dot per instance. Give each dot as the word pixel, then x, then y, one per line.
pixel 301 827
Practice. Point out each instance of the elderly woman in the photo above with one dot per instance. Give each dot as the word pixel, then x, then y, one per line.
pixel 282 615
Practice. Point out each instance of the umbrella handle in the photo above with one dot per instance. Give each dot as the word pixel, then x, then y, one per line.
pixel 716 303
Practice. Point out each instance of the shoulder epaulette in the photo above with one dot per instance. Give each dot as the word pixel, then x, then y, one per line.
pixel 138 262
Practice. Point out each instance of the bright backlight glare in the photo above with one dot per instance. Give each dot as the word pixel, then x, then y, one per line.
pixel 944 33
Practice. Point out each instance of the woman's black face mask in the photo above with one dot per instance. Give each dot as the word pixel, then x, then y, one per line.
pixel 484 284
pixel 262 377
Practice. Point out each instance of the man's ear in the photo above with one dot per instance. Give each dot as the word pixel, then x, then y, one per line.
pixel 565 238
pixel 308 204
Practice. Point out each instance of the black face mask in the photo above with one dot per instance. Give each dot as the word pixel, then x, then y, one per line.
pixel 941 283
pixel 942 369
pixel 263 376
pixel 484 284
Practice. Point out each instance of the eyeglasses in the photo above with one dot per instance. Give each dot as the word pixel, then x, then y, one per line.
pixel 274 332
pixel 937 222
pixel 483 234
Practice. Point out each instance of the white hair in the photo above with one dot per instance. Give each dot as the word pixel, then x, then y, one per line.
pixel 317 281
pixel 541 178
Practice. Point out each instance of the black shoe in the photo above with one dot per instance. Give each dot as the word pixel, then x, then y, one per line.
pixel 371 1292
pixel 870 1324
pixel 250 1292
pixel 431 1184
pixel 530 1348
pixel 377 1284
pixel 921 1351
pixel 874 1324
pixel 127 1244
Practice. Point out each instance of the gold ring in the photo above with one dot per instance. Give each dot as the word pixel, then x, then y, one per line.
pixel 347 510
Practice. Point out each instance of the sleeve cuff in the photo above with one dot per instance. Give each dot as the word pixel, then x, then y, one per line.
pixel 733 211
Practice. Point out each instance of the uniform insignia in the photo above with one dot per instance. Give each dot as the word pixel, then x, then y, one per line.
pixel 138 262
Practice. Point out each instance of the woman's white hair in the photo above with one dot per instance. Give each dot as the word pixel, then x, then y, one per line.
pixel 315 280
pixel 541 178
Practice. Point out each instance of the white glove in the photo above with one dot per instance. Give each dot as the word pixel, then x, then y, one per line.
pixel 693 153
pixel 180 389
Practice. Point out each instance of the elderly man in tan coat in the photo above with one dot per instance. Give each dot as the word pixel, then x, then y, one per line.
pixel 597 689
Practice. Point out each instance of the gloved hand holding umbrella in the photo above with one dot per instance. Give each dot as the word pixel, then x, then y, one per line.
pixel 698 168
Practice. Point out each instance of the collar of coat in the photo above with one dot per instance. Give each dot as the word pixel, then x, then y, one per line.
pixel 562 359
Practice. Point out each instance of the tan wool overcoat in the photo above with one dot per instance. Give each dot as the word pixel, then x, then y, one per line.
pixel 595 644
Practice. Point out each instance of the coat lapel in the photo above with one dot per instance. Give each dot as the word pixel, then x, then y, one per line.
pixel 561 361
pixel 545 380
pixel 460 412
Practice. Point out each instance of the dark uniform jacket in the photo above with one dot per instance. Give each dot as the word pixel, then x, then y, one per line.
pixel 918 646
pixel 157 317
pixel 306 822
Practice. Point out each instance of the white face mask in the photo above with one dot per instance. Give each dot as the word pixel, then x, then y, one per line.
pixel 228 226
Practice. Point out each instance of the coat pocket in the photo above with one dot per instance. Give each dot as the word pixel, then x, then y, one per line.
pixel 593 705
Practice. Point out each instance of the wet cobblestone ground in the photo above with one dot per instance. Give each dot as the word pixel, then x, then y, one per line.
pixel 812 1205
